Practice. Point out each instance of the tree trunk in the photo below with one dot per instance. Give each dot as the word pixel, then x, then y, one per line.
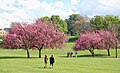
pixel 71 33
pixel 28 55
pixel 40 50
pixel 116 52
pixel 116 49
pixel 39 53
pixel 108 52
pixel 92 52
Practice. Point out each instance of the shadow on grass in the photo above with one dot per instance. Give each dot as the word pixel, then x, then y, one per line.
pixel 39 67
pixel 15 57
pixel 72 39
pixel 42 67
pixel 96 55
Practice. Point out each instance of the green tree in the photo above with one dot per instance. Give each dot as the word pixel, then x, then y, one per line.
pixel 62 26
pixel 46 18
pixel 55 18
pixel 103 22
pixel 99 22
pixel 78 24
pixel 60 23
pixel 71 21
pixel 14 23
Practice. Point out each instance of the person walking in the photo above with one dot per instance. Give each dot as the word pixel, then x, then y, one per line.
pixel 45 60
pixel 51 61
pixel 71 54
pixel 76 54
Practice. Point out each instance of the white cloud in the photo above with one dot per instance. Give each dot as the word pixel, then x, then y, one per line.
pixel 18 14
pixel 110 4
pixel 22 12
pixel 7 2
pixel 59 4
pixel 57 8
pixel 73 2
pixel 7 5
pixel 4 19
pixel 29 4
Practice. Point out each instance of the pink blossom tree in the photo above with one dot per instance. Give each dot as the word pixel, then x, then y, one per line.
pixel 101 39
pixel 108 41
pixel 49 37
pixel 25 34
pixel 88 41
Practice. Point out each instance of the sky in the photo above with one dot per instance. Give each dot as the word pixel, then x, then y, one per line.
pixel 29 10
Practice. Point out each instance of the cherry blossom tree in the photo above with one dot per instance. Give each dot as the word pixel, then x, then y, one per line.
pixel 108 41
pixel 101 39
pixel 24 33
pixel 49 37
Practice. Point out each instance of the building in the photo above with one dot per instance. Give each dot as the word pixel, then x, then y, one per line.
pixel 3 32
pixel 7 29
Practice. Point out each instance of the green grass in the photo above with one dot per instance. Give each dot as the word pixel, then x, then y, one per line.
pixel 15 61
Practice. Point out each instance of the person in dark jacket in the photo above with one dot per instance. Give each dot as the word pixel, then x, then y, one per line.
pixel 51 61
pixel 45 60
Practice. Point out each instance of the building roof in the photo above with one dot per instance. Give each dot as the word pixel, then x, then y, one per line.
pixel 7 29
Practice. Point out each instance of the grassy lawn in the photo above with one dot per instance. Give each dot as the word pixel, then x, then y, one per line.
pixel 15 61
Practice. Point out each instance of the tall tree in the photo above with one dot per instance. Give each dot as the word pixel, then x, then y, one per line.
pixel 59 23
pixel 103 22
pixel 62 26
pixel 99 22
pixel 71 22
pixel 78 24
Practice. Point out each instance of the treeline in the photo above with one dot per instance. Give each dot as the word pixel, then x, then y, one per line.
pixel 79 24
pixel 76 23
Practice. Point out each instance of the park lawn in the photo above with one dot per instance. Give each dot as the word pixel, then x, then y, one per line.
pixel 15 61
